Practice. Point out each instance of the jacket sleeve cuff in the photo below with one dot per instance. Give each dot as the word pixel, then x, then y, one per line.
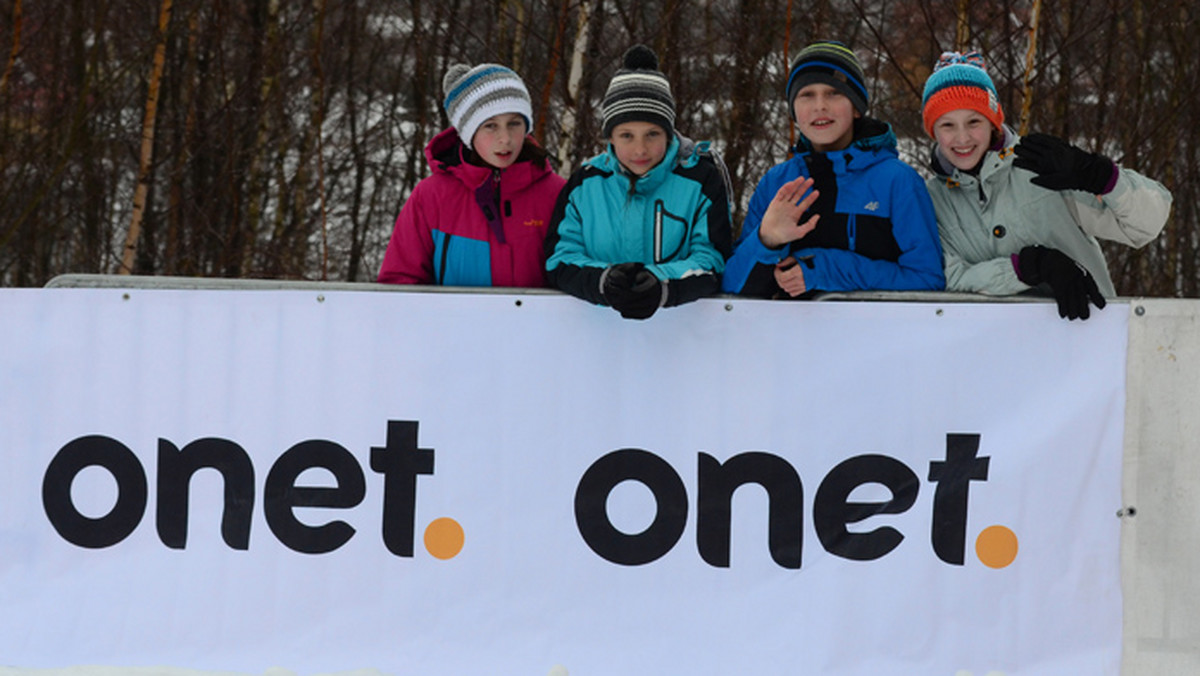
pixel 762 253
pixel 690 288
pixel 579 281
pixel 1112 181
pixel 603 278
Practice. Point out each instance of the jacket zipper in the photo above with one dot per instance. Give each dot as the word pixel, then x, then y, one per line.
pixel 497 206
pixel 658 231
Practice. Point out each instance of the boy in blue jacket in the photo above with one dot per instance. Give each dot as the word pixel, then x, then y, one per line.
pixel 644 224
pixel 844 213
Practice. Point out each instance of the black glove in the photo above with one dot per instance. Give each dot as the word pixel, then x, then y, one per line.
pixel 1061 166
pixel 644 298
pixel 1072 284
pixel 618 279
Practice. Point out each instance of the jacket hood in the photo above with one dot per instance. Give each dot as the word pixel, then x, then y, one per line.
pixel 873 142
pixel 445 150
pixel 446 154
pixel 608 162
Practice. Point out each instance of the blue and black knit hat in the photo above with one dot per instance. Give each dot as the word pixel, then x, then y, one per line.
pixel 960 82
pixel 475 94
pixel 830 63
pixel 639 92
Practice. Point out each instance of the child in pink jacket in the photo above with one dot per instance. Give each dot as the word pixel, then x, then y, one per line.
pixel 480 218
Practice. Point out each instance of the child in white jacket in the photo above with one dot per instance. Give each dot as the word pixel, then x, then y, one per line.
pixel 1015 214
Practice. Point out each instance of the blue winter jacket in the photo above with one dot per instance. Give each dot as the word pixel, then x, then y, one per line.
pixel 674 219
pixel 877 229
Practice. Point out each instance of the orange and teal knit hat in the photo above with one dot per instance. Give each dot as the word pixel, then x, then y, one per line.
pixel 960 82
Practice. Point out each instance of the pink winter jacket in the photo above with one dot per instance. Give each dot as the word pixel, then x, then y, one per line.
pixel 467 225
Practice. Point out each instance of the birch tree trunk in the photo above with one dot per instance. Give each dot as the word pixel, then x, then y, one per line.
pixel 143 183
pixel 570 118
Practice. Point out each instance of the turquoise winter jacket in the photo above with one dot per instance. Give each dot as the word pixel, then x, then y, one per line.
pixel 674 219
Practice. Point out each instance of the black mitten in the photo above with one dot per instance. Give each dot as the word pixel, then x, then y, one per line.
pixel 1072 284
pixel 645 296
pixel 1061 166
pixel 616 282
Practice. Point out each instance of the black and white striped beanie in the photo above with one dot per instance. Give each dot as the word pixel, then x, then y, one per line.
pixel 638 93
pixel 475 94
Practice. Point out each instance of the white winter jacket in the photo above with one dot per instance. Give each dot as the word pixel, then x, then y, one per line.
pixel 983 220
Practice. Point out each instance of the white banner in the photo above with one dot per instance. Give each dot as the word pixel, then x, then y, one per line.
pixel 495 484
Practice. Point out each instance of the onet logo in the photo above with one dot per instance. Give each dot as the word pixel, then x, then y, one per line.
pixel 400 461
pixel 832 510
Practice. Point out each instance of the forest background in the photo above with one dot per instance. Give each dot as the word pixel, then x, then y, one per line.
pixel 279 139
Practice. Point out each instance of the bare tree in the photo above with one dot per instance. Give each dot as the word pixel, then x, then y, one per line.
pixel 285 137
pixel 143 181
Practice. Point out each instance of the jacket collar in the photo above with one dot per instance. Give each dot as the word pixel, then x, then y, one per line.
pixel 994 160
pixel 874 141
pixel 651 180
pixel 446 154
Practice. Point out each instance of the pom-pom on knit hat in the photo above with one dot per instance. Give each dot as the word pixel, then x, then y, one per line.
pixel 475 94
pixel 830 63
pixel 960 82
pixel 639 92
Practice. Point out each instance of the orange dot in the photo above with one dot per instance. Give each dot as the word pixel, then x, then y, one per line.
pixel 996 546
pixel 444 538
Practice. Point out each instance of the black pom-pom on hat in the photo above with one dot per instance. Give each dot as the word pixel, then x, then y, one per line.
pixel 638 93
pixel 640 57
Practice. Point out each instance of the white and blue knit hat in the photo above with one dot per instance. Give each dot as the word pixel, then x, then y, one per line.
pixel 638 93
pixel 475 94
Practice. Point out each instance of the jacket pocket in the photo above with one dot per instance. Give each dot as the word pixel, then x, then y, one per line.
pixel 670 234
